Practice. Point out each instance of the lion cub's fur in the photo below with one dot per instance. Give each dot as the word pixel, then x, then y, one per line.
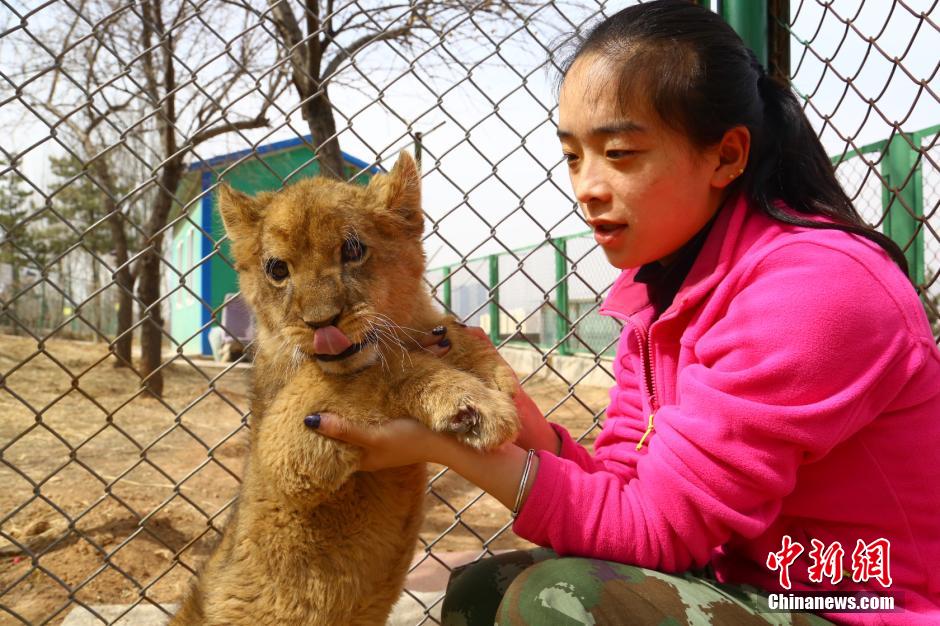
pixel 312 540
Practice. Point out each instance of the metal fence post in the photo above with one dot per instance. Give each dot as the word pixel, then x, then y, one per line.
pixel 902 197
pixel 749 19
pixel 448 308
pixel 207 316
pixel 562 324
pixel 778 40
pixel 494 298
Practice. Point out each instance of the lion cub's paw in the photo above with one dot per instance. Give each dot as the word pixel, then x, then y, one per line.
pixel 466 421
pixel 505 379
pixel 478 415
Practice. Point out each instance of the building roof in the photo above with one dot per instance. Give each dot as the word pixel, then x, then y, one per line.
pixel 287 144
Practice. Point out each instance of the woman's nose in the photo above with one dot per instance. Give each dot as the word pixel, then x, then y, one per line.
pixel 590 183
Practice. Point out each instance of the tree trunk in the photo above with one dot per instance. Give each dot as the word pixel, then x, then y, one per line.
pixel 148 281
pixel 151 331
pixel 14 289
pixel 124 337
pixel 319 115
pixel 95 286
pixel 123 343
pixel 68 297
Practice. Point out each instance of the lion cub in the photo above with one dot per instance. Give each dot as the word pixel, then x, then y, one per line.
pixel 334 274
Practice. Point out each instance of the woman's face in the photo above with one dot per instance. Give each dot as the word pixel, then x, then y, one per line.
pixel 643 187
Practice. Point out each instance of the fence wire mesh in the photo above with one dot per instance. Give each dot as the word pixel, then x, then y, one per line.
pixel 123 371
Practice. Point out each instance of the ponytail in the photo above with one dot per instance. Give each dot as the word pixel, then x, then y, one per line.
pixel 792 166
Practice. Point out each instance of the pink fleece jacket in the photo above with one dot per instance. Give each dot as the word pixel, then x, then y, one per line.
pixel 795 390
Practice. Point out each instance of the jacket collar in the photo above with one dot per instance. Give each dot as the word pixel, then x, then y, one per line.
pixel 729 237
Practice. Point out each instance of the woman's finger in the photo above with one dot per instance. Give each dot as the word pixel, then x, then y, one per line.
pixel 436 341
pixel 478 332
pixel 335 427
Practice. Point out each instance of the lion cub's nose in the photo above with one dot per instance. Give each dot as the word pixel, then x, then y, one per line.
pixel 315 324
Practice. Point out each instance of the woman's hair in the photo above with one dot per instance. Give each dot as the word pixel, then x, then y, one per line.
pixel 702 80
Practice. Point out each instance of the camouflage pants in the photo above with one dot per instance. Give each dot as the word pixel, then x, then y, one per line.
pixel 536 587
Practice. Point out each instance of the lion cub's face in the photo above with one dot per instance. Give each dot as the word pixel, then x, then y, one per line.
pixel 329 266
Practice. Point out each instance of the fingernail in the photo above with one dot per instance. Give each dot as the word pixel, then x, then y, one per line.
pixel 312 421
pixel 443 343
pixel 438 330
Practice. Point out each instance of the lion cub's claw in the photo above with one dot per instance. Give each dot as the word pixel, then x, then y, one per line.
pixel 492 420
pixel 465 422
pixel 477 415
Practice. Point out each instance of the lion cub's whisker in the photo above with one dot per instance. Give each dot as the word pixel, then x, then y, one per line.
pixel 390 338
pixel 392 324
pixel 379 337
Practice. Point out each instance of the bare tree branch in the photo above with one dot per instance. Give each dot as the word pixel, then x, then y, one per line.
pixel 66 46
pixel 258 122
pixel 363 42
pixel 111 110
pixel 313 43
pixel 330 33
pixel 371 13
pixel 150 72
pixel 292 39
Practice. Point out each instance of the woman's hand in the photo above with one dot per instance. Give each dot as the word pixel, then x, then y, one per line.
pixel 393 444
pixel 535 431
pixel 435 342
pixel 406 442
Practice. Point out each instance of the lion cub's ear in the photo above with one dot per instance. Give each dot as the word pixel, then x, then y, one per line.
pixel 400 191
pixel 240 212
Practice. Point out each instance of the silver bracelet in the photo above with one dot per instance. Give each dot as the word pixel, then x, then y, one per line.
pixel 522 483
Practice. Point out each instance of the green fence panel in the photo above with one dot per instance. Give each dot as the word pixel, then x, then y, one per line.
pixel 562 324
pixel 749 19
pixel 902 198
pixel 494 297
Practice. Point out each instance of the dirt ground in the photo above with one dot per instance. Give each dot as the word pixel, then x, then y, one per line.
pixel 147 483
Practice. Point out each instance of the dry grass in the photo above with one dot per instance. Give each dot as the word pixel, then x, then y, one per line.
pixel 146 483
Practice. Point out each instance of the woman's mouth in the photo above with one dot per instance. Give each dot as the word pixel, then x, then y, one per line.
pixel 608 234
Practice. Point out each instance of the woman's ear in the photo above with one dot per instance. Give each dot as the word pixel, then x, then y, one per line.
pixel 732 152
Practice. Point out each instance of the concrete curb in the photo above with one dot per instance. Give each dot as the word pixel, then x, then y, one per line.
pixel 526 360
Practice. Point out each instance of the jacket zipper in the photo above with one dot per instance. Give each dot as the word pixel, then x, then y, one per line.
pixel 650 379
pixel 649 375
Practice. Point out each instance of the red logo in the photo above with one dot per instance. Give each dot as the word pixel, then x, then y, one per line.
pixel 872 560
pixel 827 561
pixel 784 558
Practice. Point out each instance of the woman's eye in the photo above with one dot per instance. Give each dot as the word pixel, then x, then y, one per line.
pixel 353 250
pixel 569 157
pixel 276 269
pixel 619 154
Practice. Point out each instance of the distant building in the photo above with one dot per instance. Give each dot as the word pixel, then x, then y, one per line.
pixel 204 268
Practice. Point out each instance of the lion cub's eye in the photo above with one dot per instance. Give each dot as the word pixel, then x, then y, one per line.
pixel 276 269
pixel 353 250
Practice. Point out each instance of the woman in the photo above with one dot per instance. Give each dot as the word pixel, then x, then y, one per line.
pixel 776 414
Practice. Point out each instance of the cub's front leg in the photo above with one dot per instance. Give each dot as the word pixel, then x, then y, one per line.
pixel 474 353
pixel 302 465
pixel 453 401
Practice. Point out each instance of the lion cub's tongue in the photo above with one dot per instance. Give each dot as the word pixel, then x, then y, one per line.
pixel 330 340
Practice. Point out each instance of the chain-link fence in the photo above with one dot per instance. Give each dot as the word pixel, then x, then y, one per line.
pixel 123 398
